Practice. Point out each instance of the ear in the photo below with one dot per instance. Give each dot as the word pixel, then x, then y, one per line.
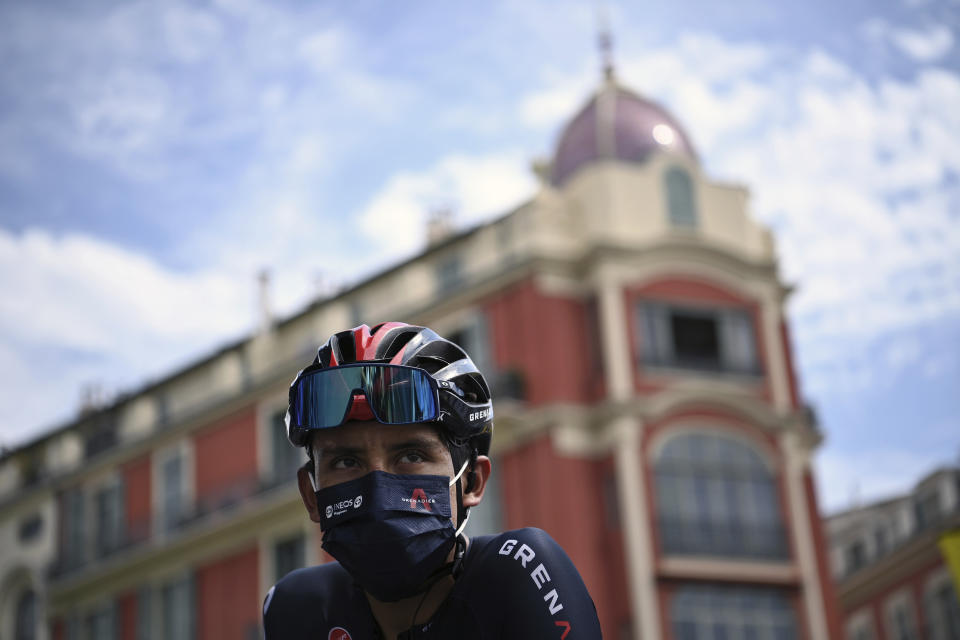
pixel 481 473
pixel 307 494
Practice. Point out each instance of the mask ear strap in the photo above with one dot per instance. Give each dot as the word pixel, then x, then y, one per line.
pixel 459 473
pixel 313 483
pixel 461 515
pixel 463 525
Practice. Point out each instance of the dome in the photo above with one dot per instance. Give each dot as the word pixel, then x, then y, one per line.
pixel 617 123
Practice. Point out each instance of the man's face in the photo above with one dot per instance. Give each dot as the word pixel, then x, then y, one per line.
pixel 357 448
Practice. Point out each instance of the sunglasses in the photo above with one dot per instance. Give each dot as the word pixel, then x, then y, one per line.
pixel 396 394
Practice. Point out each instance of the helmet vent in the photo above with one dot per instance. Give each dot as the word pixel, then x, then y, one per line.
pixel 346 347
pixel 393 344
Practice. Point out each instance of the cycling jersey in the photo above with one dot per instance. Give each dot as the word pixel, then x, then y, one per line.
pixel 518 584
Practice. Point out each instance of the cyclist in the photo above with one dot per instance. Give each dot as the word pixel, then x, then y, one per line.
pixel 397 423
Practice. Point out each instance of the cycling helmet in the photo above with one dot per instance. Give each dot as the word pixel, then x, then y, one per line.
pixel 465 406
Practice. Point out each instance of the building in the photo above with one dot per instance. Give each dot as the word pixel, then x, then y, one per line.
pixel 892 580
pixel 28 527
pixel 630 318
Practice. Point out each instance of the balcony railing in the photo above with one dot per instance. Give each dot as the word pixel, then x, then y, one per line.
pixel 703 537
pixel 218 505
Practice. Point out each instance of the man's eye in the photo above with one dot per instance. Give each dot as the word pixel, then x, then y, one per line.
pixel 343 463
pixel 412 457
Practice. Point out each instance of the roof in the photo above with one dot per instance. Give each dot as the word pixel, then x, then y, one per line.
pixel 617 123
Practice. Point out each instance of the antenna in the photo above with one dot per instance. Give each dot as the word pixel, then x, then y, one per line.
pixel 604 38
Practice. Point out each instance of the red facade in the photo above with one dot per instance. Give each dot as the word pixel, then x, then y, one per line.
pixel 226 459
pixel 137 502
pixel 228 598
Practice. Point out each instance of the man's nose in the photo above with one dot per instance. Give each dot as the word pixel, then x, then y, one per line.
pixel 378 463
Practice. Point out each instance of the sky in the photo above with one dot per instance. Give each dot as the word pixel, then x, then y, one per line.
pixel 155 156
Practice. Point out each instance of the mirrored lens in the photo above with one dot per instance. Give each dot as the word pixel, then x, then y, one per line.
pixel 402 396
pixel 396 395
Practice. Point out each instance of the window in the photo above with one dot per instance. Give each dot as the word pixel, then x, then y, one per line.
pixel 856 557
pixel 356 313
pixel 25 626
pixel 176 604
pixel 31 528
pixel 928 509
pixel 449 273
pixel 102 435
pixel 144 613
pixel 943 611
pixel 900 624
pixel 74 540
pixel 286 457
pixel 288 555
pixel 681 206
pixel 163 409
pixel 882 541
pixel 716 497
pixel 108 502
pixel 474 338
pixel 707 612
pixel 860 630
pixel 72 627
pixel 721 340
pixel 102 624
pixel 172 479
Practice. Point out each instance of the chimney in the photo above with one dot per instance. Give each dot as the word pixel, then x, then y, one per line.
pixel 92 398
pixel 439 226
pixel 265 315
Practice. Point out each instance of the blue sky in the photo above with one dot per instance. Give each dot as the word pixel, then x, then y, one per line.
pixel 155 156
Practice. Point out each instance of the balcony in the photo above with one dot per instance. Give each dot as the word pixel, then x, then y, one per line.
pixel 218 508
pixel 742 540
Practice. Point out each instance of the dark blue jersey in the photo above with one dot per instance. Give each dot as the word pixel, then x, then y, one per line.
pixel 518 584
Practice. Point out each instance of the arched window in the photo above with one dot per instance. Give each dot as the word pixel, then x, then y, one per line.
pixel 26 616
pixel 710 612
pixel 681 205
pixel 716 497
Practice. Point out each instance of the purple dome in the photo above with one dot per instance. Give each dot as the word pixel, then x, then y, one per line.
pixel 617 123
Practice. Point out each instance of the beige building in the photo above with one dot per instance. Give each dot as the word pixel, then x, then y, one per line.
pixel 892 580
pixel 630 317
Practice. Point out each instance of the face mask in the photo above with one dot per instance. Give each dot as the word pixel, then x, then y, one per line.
pixel 392 533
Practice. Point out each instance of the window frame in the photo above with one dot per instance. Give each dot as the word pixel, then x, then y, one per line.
pixel 681 207
pixel 182 448
pixel 901 599
pixel 655 343
pixel 710 616
pixel 780 549
pixel 935 583
pixel 112 483
pixel 861 623
pixel 266 441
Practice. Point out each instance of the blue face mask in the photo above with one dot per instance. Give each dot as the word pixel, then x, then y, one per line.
pixel 392 533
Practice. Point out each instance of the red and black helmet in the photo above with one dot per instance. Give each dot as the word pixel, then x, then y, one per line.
pixel 466 408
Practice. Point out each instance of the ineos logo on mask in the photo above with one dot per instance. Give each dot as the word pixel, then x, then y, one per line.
pixel 339 508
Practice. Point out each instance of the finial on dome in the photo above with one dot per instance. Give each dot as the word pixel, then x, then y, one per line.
pixel 604 40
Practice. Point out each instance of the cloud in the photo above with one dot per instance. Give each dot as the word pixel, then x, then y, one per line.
pixel 474 187
pixel 145 90
pixel 923 45
pixel 551 106
pixel 110 316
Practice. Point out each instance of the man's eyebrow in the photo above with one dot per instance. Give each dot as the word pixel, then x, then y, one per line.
pixel 338 450
pixel 416 443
